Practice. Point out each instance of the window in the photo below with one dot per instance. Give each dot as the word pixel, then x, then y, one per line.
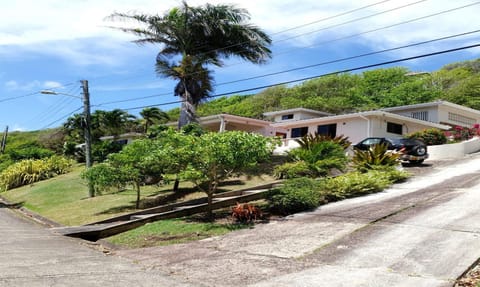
pixel 287 117
pixel 299 132
pixel 422 115
pixel 327 130
pixel 461 119
pixel 394 128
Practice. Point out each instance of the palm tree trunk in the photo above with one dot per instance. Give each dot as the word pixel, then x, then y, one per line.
pixel 187 110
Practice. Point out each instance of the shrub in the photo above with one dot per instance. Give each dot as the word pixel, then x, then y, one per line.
pixel 358 183
pixel 30 171
pixel 320 157
pixel 295 195
pixel 292 170
pixel 375 156
pixel 353 184
pixel 102 149
pixel 29 152
pixel 246 212
pixel 430 136
pixel 309 140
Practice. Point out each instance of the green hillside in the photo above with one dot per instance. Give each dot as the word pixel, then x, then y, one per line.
pixel 458 83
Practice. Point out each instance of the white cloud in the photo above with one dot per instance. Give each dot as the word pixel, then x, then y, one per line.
pixel 30 86
pixel 77 31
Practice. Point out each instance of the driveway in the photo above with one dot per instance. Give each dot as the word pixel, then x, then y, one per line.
pixel 33 256
pixel 425 232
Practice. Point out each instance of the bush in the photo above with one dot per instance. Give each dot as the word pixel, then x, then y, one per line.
pixel 295 195
pixel 358 183
pixel 30 171
pixel 309 140
pixel 430 136
pixel 353 184
pixel 102 149
pixel 320 158
pixel 292 170
pixel 29 152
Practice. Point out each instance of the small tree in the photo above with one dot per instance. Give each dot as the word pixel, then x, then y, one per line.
pixel 219 155
pixel 132 165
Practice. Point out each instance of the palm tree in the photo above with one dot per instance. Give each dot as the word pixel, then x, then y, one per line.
pixel 199 37
pixel 114 122
pixel 151 115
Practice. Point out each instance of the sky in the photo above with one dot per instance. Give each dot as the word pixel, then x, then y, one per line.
pixel 53 44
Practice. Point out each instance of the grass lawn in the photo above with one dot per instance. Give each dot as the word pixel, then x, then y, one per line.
pixel 64 199
pixel 171 231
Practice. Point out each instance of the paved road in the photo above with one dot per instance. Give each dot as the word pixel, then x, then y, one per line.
pixel 34 256
pixel 424 232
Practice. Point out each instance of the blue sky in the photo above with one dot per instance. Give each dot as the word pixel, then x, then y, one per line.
pixel 53 44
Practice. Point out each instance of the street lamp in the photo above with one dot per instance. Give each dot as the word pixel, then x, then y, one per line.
pixel 87 132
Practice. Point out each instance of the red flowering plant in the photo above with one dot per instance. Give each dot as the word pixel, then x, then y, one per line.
pixel 459 133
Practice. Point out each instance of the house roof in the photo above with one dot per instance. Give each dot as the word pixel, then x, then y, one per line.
pixel 431 104
pixel 233 118
pixel 363 115
pixel 289 111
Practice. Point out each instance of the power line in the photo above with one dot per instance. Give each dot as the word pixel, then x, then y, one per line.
pixel 308 66
pixel 356 34
pixel 29 94
pixel 349 58
pixel 61 118
pixel 56 107
pixel 350 21
pixel 330 17
pixel 369 31
pixel 321 75
pixel 302 25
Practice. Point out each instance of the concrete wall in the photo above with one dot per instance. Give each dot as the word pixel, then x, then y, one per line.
pixel 453 151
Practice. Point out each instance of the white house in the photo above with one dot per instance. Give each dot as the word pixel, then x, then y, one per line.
pixel 441 112
pixel 356 126
pixel 389 122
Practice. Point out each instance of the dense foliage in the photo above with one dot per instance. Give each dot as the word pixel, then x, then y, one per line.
pixel 295 195
pixel 342 93
pixel 29 171
pixel 377 156
pixel 430 136
pixel 205 160
pixel 302 194
pixel 316 156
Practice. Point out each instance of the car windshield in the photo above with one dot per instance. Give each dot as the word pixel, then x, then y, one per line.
pixel 404 141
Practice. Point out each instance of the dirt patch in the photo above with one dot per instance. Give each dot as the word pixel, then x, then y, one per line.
pixel 471 279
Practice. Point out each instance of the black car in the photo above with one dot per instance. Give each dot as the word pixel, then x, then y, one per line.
pixel 412 150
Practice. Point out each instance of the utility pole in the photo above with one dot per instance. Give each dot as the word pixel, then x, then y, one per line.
pixel 4 140
pixel 87 132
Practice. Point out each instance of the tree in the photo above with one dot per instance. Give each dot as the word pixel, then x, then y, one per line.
pixel 199 37
pixel 151 115
pixel 132 165
pixel 216 156
pixel 113 122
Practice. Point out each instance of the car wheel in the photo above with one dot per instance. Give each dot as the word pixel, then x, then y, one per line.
pixel 421 150
pixel 416 161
